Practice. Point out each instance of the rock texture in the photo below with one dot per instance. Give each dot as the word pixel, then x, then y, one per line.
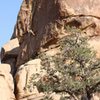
pixel 10 49
pixel 23 76
pixel 6 83
pixel 40 24
pixel 9 53
pixel 39 20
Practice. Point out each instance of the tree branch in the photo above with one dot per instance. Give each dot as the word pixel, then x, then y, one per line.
pixel 93 88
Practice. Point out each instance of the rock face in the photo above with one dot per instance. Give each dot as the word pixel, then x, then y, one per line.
pixel 6 83
pixel 10 49
pixel 9 53
pixel 40 24
pixel 23 75
pixel 39 20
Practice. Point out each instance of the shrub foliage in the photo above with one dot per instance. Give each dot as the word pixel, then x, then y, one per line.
pixel 74 70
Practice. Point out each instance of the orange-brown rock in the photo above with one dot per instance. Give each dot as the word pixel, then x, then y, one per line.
pixel 23 77
pixel 10 49
pixel 6 83
pixel 9 53
pixel 39 21
pixel 40 24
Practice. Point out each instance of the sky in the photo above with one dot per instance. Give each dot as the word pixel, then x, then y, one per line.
pixel 8 15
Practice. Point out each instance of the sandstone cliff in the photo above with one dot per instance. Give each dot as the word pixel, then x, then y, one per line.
pixel 40 24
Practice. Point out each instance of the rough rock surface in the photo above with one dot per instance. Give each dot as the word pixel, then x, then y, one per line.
pixel 40 24
pixel 39 20
pixel 10 49
pixel 23 76
pixel 6 83
pixel 9 53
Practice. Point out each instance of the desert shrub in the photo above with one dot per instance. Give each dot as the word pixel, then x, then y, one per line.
pixel 74 70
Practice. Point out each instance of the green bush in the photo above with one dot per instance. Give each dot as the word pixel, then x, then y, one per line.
pixel 75 70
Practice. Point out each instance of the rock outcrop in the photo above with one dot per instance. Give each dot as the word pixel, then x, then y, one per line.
pixel 10 49
pixel 40 24
pixel 6 83
pixel 39 20
pixel 23 76
pixel 9 53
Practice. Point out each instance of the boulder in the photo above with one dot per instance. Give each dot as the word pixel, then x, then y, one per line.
pixel 96 96
pixel 95 45
pixel 6 83
pixel 9 53
pixel 12 62
pixel 10 49
pixel 23 77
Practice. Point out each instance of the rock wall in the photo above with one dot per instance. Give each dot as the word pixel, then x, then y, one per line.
pixel 39 20
pixel 40 24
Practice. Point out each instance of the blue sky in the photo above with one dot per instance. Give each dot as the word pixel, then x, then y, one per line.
pixel 8 15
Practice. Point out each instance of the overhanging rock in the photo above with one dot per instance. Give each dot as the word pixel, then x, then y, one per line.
pixel 10 49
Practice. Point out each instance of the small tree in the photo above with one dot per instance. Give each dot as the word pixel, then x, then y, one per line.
pixel 75 70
